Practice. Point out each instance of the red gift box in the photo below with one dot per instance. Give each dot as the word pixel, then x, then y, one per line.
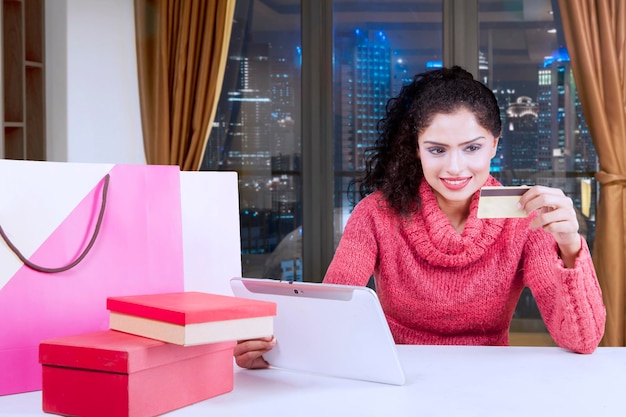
pixel 110 373
pixel 192 318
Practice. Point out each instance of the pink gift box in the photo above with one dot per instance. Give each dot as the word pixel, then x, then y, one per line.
pixel 109 373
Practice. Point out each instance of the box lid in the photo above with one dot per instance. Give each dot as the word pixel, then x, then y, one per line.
pixel 113 351
pixel 190 307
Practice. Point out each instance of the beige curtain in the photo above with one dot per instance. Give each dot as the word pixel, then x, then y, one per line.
pixel 595 33
pixel 182 50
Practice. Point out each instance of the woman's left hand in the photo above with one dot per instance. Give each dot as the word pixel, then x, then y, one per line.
pixel 555 215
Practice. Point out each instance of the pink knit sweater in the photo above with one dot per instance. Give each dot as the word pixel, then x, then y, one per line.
pixel 437 286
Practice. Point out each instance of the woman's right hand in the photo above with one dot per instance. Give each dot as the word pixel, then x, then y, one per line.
pixel 249 353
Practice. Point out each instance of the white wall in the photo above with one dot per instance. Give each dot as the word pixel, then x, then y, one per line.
pixel 92 94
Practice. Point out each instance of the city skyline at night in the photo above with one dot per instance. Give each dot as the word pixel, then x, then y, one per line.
pixel 258 123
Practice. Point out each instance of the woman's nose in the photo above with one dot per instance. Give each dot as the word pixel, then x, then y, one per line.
pixel 454 163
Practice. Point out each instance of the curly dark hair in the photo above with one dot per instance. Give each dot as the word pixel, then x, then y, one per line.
pixel 392 165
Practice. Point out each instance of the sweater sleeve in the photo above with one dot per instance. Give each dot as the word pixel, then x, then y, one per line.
pixel 569 299
pixel 356 256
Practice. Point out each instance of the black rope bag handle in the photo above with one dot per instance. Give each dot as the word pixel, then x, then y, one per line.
pixel 31 265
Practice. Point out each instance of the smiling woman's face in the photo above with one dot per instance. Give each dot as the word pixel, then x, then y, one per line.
pixel 456 151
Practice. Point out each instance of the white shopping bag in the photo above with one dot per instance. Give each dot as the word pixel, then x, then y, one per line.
pixel 211 230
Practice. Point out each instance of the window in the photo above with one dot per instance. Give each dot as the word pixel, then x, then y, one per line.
pixel 523 59
pixel 378 47
pixel 256 132
pixel 265 120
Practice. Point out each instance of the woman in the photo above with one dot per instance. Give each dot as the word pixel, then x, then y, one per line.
pixel 443 275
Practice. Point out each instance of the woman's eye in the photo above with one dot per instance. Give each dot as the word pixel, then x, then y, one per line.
pixel 436 151
pixel 472 148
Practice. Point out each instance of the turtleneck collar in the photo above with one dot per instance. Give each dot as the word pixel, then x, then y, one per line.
pixel 436 240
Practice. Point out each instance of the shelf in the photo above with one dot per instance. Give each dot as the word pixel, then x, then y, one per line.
pixel 33 30
pixel 13 124
pixel 14 143
pixel 35 132
pixel 23 84
pixel 33 64
pixel 13 61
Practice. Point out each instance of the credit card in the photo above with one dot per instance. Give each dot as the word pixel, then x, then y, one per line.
pixel 500 202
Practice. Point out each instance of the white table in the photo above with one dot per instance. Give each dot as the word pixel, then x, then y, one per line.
pixel 441 381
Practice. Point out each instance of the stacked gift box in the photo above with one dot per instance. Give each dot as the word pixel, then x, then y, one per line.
pixel 162 352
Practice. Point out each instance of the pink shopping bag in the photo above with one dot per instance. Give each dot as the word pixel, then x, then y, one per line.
pixel 49 213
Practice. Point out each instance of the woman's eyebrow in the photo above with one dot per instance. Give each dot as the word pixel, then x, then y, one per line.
pixel 432 142
pixel 476 139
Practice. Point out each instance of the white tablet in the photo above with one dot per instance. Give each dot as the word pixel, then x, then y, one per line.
pixel 328 329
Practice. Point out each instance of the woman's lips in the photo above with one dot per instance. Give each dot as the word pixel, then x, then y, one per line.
pixel 455 183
